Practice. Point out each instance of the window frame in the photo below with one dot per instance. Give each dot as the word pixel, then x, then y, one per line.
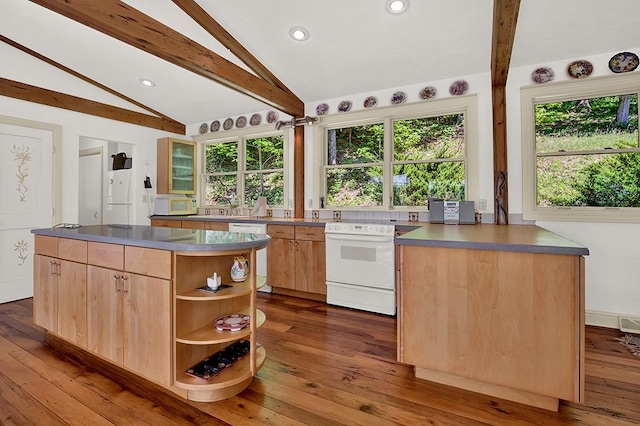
pixel 530 96
pixel 241 136
pixel 468 105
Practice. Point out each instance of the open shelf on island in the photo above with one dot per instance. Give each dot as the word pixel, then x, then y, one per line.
pixel 209 334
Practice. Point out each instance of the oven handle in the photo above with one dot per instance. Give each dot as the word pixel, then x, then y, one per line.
pixel 352 237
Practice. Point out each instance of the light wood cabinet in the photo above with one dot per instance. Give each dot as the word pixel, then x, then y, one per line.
pixel 176 168
pixel 164 223
pixel 296 258
pixel 196 335
pixel 508 324
pixel 129 314
pixel 60 285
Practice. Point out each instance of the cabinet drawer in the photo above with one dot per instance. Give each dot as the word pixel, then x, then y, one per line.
pixel 192 224
pixel 47 246
pixel 166 223
pixel 281 231
pixel 74 250
pixel 310 233
pixel 145 261
pixel 216 226
pixel 106 255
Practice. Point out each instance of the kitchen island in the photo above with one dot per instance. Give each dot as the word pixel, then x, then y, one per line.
pixel 131 296
pixel 498 310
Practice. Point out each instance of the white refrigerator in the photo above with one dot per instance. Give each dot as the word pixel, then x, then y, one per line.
pixel 119 205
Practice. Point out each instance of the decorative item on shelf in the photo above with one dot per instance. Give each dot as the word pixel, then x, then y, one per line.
pixel 428 92
pixel 203 128
pixel 214 281
pixel 344 106
pixel 322 109
pixel 398 97
pixel 255 120
pixel 232 322
pixel 272 116
pixel 458 87
pixel 580 69
pixel 542 75
pixel 241 122
pixel 214 364
pixel 623 62
pixel 370 102
pixel 228 123
pixel 240 268
pixel 215 126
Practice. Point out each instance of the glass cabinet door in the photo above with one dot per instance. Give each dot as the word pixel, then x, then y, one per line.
pixel 183 165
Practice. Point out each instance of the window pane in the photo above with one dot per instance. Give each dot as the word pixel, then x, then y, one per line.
pixel 589 124
pixel 360 186
pixel 603 180
pixel 270 185
pixel 221 157
pixel 265 153
pixel 414 184
pixel 357 144
pixel 429 138
pixel 219 189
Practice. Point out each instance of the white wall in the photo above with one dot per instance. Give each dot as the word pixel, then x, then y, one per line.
pixel 612 282
pixel 74 127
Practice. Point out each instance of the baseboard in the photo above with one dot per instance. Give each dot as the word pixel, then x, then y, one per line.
pixel 602 319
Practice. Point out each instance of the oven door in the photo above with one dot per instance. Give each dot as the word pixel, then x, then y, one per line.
pixel 362 260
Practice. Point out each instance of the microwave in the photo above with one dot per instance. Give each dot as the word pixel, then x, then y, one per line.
pixel 165 206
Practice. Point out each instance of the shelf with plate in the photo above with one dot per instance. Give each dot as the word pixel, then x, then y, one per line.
pixel 196 311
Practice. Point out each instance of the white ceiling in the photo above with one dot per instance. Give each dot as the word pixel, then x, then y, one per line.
pixel 355 47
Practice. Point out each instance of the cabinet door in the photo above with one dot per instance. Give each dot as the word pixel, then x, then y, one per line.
pixel 281 263
pixel 45 292
pixel 176 168
pixel 147 327
pixel 310 267
pixel 104 313
pixel 72 302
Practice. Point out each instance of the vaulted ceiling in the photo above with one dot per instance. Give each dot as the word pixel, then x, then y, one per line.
pixel 355 46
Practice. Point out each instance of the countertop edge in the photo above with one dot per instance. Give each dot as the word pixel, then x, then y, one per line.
pixel 473 245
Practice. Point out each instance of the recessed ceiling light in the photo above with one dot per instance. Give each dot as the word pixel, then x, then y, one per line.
pixel 299 33
pixel 397 6
pixel 146 82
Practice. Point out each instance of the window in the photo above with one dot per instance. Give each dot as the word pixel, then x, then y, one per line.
pixel 581 151
pixel 247 167
pixel 399 157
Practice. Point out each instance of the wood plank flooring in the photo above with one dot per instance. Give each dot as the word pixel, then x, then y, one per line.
pixel 325 366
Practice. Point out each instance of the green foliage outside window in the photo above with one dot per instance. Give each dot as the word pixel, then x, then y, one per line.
pixel 583 156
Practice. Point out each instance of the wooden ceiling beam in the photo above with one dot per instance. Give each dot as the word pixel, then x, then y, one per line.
pixel 209 24
pixel 27 92
pixel 87 79
pixel 505 18
pixel 125 23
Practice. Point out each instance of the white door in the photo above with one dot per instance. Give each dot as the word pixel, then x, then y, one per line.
pixel 90 187
pixel 26 192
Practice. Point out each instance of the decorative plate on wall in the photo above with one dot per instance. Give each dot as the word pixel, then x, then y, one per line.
pixel 203 128
pixel 398 98
pixel 272 116
pixel 370 102
pixel 215 126
pixel 542 75
pixel 322 109
pixel 241 122
pixel 623 62
pixel 458 88
pixel 256 119
pixel 428 92
pixel 228 123
pixel 580 69
pixel 344 106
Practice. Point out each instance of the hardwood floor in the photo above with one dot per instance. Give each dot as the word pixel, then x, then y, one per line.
pixel 325 366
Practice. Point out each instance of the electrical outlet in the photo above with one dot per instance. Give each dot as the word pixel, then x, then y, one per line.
pixel 269 213
pixel 413 216
pixel 315 214
pixel 337 215
pixel 287 213
pixel 482 204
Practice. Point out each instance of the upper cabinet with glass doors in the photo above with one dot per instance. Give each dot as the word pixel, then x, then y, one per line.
pixel 176 166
